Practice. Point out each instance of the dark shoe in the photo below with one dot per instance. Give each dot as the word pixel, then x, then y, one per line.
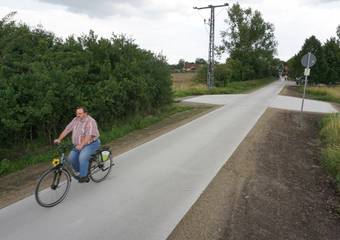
pixel 76 177
pixel 83 179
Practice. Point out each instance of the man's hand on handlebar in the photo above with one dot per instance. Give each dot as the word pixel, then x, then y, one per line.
pixel 79 147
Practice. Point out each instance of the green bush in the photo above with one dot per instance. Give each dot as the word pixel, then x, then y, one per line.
pixel 43 78
pixel 330 136
pixel 331 161
pixel 4 166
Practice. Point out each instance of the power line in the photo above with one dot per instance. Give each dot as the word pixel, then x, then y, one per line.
pixel 211 61
pixel 219 12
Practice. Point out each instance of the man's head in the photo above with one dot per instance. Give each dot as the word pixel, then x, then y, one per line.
pixel 81 112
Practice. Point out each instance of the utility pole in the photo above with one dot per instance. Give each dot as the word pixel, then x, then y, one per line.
pixel 211 55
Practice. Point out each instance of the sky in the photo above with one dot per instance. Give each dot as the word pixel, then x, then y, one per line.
pixel 173 28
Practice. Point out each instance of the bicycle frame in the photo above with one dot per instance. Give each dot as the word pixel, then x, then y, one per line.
pixel 65 164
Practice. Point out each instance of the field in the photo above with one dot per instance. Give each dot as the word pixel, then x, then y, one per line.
pixel 183 81
pixel 184 86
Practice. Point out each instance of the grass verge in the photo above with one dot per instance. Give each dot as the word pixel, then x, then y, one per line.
pixel 231 88
pixel 330 155
pixel 324 93
pixel 40 154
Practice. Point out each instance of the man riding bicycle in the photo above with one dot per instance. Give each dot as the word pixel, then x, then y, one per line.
pixel 85 138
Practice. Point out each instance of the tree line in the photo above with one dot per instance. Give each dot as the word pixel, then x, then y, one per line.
pixel 43 78
pixel 327 67
pixel 250 42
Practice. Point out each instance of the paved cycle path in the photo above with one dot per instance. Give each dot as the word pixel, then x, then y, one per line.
pixel 151 187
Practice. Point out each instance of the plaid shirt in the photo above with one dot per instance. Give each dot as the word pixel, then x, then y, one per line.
pixel 81 128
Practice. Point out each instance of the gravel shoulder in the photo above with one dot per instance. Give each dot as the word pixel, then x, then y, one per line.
pixel 18 185
pixel 271 188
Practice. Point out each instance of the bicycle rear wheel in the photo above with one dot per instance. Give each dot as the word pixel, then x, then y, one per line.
pixel 100 169
pixel 52 187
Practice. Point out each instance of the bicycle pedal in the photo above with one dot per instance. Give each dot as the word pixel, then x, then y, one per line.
pixel 84 179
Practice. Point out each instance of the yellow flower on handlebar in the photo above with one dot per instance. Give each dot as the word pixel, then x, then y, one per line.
pixel 55 162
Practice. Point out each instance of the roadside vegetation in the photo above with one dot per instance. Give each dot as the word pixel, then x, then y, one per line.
pixel 231 88
pixel 18 158
pixel 44 78
pixel 327 67
pixel 330 136
pixel 323 93
pixel 249 57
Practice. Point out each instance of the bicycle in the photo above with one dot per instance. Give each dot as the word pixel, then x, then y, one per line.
pixel 54 184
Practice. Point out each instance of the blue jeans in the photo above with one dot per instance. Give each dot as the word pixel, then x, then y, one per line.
pixel 80 159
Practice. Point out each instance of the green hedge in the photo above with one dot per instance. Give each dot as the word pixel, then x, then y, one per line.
pixel 43 78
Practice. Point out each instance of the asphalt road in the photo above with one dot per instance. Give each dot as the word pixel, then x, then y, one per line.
pixel 151 187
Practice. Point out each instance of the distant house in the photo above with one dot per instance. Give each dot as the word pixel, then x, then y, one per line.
pixel 188 67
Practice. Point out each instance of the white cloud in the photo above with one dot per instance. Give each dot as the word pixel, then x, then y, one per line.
pixel 89 7
pixel 127 8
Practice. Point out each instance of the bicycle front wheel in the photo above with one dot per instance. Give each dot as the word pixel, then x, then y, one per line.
pixel 52 187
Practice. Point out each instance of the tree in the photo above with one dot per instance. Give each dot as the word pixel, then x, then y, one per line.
pixel 250 41
pixel 277 67
pixel 327 67
pixel 200 61
pixel 295 69
pixel 319 70
pixel 338 34
pixel 181 64
pixel 332 56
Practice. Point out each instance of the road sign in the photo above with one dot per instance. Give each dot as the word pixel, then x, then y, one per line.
pixel 308 60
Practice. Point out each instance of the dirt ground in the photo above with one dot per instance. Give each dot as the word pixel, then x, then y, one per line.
pixel 291 90
pixel 271 188
pixel 19 185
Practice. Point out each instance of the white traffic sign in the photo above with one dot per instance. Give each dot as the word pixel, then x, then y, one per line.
pixel 307 71
pixel 308 60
